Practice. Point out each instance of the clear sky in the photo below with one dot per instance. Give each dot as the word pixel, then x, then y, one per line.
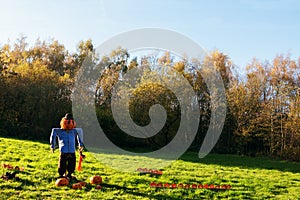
pixel 242 29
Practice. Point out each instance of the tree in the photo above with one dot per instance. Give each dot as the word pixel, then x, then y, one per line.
pixel 84 48
pixel 31 86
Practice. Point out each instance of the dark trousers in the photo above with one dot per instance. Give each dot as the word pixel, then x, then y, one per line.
pixel 67 162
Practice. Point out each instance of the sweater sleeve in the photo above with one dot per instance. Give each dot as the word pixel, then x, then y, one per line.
pixel 53 138
pixel 79 135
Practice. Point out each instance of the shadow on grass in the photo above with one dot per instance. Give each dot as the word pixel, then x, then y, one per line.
pixel 243 162
pixel 136 193
pixel 24 182
pixel 27 182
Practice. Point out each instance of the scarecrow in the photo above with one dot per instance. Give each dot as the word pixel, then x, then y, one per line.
pixel 66 136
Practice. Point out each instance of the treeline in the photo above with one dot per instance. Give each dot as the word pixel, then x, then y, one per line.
pixel 263 107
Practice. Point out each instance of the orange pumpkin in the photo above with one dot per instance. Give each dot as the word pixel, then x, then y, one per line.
pixel 76 186
pixel 67 124
pixel 98 187
pixel 153 184
pixel 62 182
pixel 82 183
pixel 96 179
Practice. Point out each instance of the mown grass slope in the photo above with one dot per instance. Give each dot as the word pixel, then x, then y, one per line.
pixel 250 178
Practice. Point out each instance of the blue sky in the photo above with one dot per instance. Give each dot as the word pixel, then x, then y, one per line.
pixel 242 29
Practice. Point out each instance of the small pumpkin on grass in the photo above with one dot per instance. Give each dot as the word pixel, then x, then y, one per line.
pixel 62 182
pixel 76 186
pixel 96 180
pixel 98 187
pixel 153 184
pixel 82 183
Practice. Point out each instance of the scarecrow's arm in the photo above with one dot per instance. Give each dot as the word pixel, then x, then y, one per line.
pixel 79 139
pixel 53 138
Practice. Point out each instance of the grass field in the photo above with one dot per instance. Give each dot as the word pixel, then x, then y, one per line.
pixel 250 178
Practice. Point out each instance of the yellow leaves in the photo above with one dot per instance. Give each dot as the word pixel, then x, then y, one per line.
pixel 166 59
pixel 65 77
pixel 119 55
pixel 39 73
pixel 36 70
pixel 282 69
pixel 179 66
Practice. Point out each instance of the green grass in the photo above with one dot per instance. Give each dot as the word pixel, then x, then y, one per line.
pixel 250 178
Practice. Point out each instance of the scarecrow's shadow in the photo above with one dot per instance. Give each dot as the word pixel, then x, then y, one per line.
pixel 23 181
pixel 26 182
